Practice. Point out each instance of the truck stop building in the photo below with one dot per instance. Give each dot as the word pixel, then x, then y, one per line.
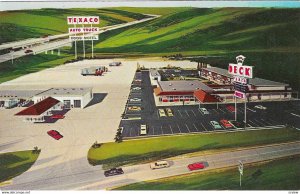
pixel 259 89
pixel 38 111
pixel 178 92
pixel 70 97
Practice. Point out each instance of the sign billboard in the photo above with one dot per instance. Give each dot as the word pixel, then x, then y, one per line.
pixel 239 70
pixel 83 30
pixel 239 94
pixel 86 37
pixel 241 87
pixel 83 19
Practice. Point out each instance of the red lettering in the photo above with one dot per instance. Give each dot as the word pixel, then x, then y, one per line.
pixel 235 69
pixel 247 73
pixel 241 70
pixel 230 69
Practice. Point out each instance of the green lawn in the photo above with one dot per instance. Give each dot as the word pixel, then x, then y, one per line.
pixel 282 174
pixel 15 163
pixel 150 149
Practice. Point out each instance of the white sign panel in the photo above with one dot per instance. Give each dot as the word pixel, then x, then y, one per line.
pixel 240 80
pixel 79 38
pixel 239 94
pixel 83 30
pixel 239 70
pixel 83 19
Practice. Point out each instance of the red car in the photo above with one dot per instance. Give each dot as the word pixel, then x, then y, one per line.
pixel 196 166
pixel 225 123
pixel 57 116
pixel 230 108
pixel 55 134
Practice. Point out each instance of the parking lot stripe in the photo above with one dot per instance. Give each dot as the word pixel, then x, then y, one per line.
pixel 222 110
pixel 178 127
pixel 187 113
pixel 171 129
pixel 187 128
pixel 203 126
pixel 162 132
pixel 266 122
pixel 179 113
pixel 258 122
pixel 255 125
pixel 152 130
pixel 130 132
pixel 195 126
pixel 216 111
pixel 194 113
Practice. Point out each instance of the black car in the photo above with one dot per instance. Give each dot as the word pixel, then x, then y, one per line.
pixel 113 171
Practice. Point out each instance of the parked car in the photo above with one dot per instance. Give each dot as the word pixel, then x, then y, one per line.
pixel 260 107
pixel 230 108
pixel 134 108
pixel 225 123
pixel 113 171
pixel 169 112
pixel 28 51
pixel 136 88
pixel 162 113
pixel 57 116
pixel 215 125
pixel 159 164
pixel 135 100
pixel 143 130
pixel 236 124
pixel 204 111
pixel 55 134
pixel 196 166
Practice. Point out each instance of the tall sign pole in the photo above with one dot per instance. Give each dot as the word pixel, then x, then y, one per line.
pixel 83 45
pixel 75 50
pixel 235 113
pixel 92 44
pixel 241 74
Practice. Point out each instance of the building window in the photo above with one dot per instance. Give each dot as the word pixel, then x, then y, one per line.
pixel 77 103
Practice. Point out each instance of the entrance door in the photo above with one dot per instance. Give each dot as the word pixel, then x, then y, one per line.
pixel 67 104
pixel 77 103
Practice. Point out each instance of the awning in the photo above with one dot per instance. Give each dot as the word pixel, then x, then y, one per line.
pixel 204 97
pixel 39 108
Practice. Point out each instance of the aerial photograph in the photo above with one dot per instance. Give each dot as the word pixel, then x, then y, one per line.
pixel 138 95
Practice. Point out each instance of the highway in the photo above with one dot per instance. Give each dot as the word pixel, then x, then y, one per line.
pixel 93 179
pixel 43 44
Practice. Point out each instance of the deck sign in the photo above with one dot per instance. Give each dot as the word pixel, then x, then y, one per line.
pixel 240 70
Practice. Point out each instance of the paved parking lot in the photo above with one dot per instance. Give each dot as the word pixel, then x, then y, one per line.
pixel 189 119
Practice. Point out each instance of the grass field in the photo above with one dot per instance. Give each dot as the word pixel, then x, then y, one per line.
pixel 15 163
pixel 146 150
pixel 35 23
pixel 282 174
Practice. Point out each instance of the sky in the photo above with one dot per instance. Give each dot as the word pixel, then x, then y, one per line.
pixel 34 4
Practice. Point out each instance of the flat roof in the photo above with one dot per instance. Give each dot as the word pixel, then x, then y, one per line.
pixel 39 108
pixel 254 81
pixel 65 92
pixel 26 94
pixel 154 72
pixel 183 85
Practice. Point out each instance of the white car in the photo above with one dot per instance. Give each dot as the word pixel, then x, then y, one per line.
pixel 135 100
pixel 143 130
pixel 159 164
pixel 260 107
pixel 204 111
pixel 136 88
pixel 162 113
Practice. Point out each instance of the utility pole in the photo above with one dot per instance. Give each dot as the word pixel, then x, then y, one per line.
pixel 245 119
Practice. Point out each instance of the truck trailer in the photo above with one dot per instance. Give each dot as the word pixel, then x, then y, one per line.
pixel 96 71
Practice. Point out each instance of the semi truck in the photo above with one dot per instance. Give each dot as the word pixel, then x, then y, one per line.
pixel 96 71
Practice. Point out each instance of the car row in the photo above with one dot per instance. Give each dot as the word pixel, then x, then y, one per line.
pixel 156 165
pixel 223 122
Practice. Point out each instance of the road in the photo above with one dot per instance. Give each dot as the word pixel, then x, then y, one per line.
pixel 93 179
pixel 45 45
